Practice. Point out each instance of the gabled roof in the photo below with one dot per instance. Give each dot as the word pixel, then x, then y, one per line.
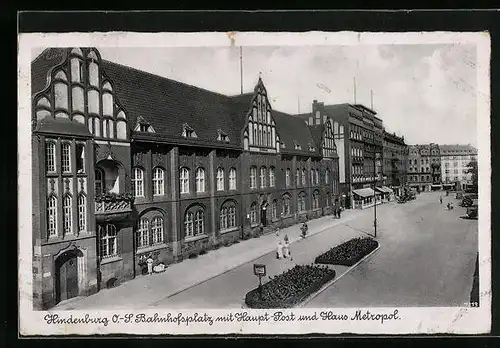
pixel 61 126
pixel 41 66
pixel 293 130
pixel 167 104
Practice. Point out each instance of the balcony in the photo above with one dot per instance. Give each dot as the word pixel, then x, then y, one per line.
pixel 113 206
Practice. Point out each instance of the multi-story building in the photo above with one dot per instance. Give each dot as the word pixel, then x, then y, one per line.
pixel 435 160
pixel 359 135
pixel 127 164
pixel 454 161
pixel 395 161
pixel 419 167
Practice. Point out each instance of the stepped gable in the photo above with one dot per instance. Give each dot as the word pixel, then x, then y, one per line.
pixel 294 130
pixel 167 104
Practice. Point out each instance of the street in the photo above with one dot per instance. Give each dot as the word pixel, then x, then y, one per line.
pixel 426 258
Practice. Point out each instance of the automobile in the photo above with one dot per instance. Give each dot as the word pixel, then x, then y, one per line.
pixel 472 212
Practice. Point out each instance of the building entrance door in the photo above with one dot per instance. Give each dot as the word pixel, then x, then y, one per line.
pixel 66 276
pixel 263 214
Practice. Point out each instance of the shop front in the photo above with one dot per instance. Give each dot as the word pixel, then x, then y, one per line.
pixel 386 193
pixel 365 198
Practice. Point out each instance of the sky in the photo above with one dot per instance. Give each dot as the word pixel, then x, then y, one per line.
pixel 425 92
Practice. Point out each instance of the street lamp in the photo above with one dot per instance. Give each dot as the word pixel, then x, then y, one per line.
pixel 375 157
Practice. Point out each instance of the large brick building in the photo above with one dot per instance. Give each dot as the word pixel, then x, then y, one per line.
pixel 127 164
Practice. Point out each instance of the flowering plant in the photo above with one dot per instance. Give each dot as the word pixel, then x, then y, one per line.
pixel 114 197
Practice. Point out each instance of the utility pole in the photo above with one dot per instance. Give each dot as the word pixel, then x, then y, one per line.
pixel 241 70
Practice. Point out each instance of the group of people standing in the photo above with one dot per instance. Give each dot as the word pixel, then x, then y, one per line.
pixel 336 212
pixel 283 251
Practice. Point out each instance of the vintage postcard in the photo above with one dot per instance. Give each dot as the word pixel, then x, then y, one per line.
pixel 254 183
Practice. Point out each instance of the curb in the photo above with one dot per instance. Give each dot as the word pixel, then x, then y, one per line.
pixel 326 285
pixel 333 281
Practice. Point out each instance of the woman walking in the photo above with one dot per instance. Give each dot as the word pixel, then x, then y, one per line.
pixel 279 252
pixel 286 247
pixel 150 264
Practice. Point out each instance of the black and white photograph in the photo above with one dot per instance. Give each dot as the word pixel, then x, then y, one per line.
pixel 254 183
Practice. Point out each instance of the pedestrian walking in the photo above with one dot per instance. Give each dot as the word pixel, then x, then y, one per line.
pixel 338 212
pixel 277 232
pixel 279 252
pixel 440 199
pixel 150 264
pixel 286 248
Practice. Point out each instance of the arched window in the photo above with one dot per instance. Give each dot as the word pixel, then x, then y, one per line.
pixel 52 216
pixel 82 213
pixel 66 157
pixel 157 229
pixel 121 130
pixel 93 101
pixel 99 182
pixel 199 223
pixel 231 217
pixel 68 214
pixel 61 95
pixel 93 74
pixel 250 133
pixel 315 202
pixel 223 219
pixel 301 202
pixel 253 177
pixel 253 213
pixel 297 177
pixel 76 70
pixel 312 177
pixel 262 176
pixel 107 104
pixel 142 233
pixel 50 156
pixel 274 209
pixel 77 100
pixel 220 179
pixel 97 127
pixel 287 177
pixel 188 225
pixel 108 247
pixel 232 179
pixel 200 180
pixel 255 137
pixel 184 180
pixel 303 177
pixel 264 135
pixel 327 175
pixel 138 182
pixel 317 176
pixel 158 181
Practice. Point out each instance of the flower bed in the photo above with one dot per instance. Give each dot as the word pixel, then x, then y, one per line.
pixel 290 288
pixel 348 253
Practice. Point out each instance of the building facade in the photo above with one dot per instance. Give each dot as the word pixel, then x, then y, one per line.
pixel 454 160
pixel 129 165
pixel 419 168
pixel 395 161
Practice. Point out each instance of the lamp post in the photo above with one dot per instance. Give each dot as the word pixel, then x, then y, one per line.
pixel 375 156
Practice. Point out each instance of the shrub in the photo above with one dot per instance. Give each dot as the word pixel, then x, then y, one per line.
pixel 203 252
pixel 348 253
pixel 290 288
pixel 192 256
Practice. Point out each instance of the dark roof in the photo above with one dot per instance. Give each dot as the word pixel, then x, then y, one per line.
pixel 62 126
pixel 41 66
pixel 293 130
pixel 167 104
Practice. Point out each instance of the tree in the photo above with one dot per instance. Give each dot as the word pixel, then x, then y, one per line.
pixel 472 169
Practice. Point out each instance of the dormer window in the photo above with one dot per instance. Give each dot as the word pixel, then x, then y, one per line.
pixel 222 136
pixel 143 127
pixel 297 146
pixel 312 148
pixel 188 132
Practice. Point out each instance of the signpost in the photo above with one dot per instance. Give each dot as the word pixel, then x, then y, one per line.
pixel 260 271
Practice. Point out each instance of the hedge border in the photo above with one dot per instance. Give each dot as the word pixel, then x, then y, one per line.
pixel 345 262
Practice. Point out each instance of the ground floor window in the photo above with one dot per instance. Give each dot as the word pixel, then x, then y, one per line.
pixel 108 239
pixel 286 205
pixel 194 223
pixel 301 202
pixel 227 217
pixel 274 208
pixel 253 213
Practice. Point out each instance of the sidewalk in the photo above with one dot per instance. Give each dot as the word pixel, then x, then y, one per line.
pixel 144 291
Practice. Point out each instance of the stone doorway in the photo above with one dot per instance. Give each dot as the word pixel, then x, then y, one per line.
pixel 67 280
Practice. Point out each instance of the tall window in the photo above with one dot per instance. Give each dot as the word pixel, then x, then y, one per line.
pixel 232 179
pixel 327 175
pixel 143 233
pixel 66 157
pixel 82 213
pixel 188 224
pixel 315 200
pixel 228 217
pixel 274 208
pixel 199 222
pixel 262 176
pixel 52 216
pixel 67 214
pixel 301 202
pixel 184 179
pixel 99 182
pixel 317 176
pixel 312 177
pixel 253 177
pixel 287 177
pixel 231 216
pixel 158 182
pixel 297 177
pixel 303 177
pixel 220 179
pixel 50 157
pixel 107 235
pixel 80 158
pixel 157 230
pixel 272 178
pixel 223 219
pixel 253 213
pixel 200 180
pixel 138 182
pixel 286 205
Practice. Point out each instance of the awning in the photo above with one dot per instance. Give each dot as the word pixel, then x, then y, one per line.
pixel 384 189
pixel 435 185
pixel 364 192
